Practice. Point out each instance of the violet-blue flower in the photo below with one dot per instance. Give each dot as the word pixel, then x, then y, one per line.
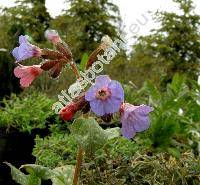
pixel 134 119
pixel 25 50
pixel 105 96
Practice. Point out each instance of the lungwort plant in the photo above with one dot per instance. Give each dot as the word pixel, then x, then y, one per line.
pixel 103 101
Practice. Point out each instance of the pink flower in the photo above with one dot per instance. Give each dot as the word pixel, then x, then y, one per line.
pixel 134 119
pixel 53 36
pixel 27 74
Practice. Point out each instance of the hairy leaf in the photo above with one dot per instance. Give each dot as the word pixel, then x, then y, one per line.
pixel 23 179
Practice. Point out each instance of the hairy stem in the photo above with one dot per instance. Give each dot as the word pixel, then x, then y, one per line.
pixel 75 69
pixel 79 159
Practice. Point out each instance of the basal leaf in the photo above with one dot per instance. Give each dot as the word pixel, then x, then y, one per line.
pixel 40 171
pixel 63 175
pixel 59 176
pixel 113 132
pixel 88 134
pixel 23 179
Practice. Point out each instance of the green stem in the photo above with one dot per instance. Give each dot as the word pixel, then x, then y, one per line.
pixel 79 159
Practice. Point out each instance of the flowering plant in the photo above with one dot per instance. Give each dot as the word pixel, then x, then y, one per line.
pixel 103 99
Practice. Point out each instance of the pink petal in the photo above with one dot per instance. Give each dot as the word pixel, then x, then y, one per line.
pixel 27 80
pixel 27 74
pixel 20 71
pixel 35 70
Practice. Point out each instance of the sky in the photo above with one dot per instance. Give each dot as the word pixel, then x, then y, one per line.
pixel 136 19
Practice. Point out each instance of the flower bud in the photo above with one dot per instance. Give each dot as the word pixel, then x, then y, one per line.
pixel 53 36
pixel 106 42
pixel 78 104
pixel 68 112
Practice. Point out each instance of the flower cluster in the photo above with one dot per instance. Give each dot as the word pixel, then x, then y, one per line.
pixel 52 61
pixel 104 98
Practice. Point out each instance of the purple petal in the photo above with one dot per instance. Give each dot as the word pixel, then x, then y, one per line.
pixel 97 107
pixel 139 118
pixel 144 109
pixel 140 122
pixel 25 51
pixel 112 105
pixel 91 93
pixel 23 39
pixel 15 53
pixel 116 89
pixel 128 130
pixel 134 119
pixel 102 81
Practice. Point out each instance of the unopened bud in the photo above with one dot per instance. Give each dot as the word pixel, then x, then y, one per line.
pixel 67 112
pixel 53 36
pixel 106 42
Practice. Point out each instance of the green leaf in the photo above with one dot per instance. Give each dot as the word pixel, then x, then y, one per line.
pixel 113 132
pixel 33 180
pixel 178 82
pixel 84 61
pixel 88 134
pixel 18 176
pixel 152 90
pixel 59 176
pixel 40 171
pixel 63 175
pixel 23 179
pixel 174 152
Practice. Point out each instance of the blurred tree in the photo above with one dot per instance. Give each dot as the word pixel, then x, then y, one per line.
pixel 8 83
pixel 30 15
pixel 27 17
pixel 174 47
pixel 82 26
pixel 86 22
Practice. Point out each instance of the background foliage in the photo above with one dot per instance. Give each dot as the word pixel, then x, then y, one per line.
pixel 161 71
